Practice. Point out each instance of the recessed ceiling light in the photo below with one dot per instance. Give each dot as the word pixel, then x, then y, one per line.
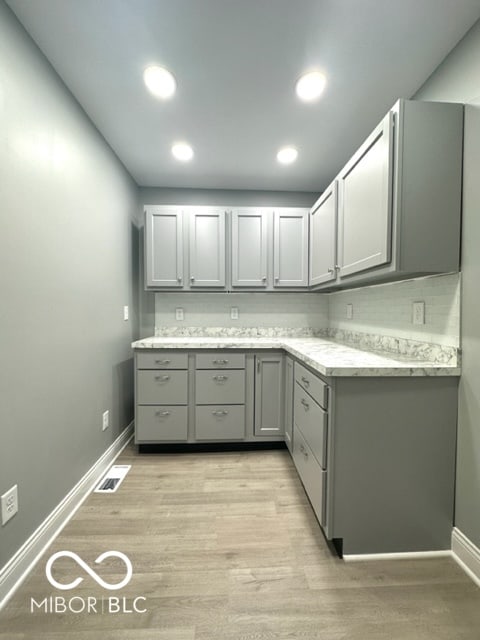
pixel 160 82
pixel 287 155
pixel 310 86
pixel 182 151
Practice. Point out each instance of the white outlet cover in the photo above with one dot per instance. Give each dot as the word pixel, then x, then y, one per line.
pixel 125 312
pixel 349 311
pixel 105 420
pixel 234 313
pixel 179 315
pixel 418 312
pixel 9 502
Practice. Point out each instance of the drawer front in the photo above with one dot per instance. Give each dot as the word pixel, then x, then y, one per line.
pixel 162 387
pixel 313 477
pixel 220 422
pixel 220 387
pixel 218 360
pixel 162 360
pixel 311 419
pixel 167 422
pixel 315 386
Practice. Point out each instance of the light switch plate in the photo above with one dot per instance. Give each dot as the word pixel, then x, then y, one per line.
pixel 234 313
pixel 179 315
pixel 418 312
pixel 125 312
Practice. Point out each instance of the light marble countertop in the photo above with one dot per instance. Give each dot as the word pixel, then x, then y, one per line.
pixel 328 357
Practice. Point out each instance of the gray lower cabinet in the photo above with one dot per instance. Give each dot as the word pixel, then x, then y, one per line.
pixel 376 457
pixel 269 390
pixel 208 396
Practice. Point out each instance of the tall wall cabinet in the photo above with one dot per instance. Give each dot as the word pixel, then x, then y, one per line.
pixel 394 210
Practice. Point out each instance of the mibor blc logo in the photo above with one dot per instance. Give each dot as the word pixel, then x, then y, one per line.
pixel 89 604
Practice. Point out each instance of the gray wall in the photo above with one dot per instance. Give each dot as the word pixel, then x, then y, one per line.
pixel 68 234
pixel 458 80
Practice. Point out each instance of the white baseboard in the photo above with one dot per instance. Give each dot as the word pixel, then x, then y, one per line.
pixel 409 555
pixel 466 554
pixel 17 569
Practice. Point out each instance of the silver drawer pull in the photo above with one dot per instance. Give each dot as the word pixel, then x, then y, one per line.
pixel 162 378
pixel 304 451
pixel 220 412
pixel 305 381
pixel 220 378
pixel 220 361
pixel 162 413
pixel 305 404
pixel 162 361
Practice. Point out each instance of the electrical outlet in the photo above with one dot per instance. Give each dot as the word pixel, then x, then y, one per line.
pixel 9 502
pixel 234 313
pixel 418 312
pixel 105 420
pixel 179 315
pixel 349 311
pixel 125 312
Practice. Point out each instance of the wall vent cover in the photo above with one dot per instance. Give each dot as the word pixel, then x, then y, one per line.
pixel 113 478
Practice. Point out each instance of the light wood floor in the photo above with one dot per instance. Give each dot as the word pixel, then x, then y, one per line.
pixel 225 546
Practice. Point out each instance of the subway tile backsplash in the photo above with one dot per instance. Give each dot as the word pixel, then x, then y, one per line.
pixel 379 311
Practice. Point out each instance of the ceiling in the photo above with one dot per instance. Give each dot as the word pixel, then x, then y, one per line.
pixel 236 63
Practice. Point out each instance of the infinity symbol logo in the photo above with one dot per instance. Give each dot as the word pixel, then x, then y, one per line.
pixel 87 569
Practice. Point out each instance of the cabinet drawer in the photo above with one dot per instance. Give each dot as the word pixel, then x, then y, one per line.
pixel 313 477
pixel 311 419
pixel 220 422
pixel 216 360
pixel 220 387
pixel 162 387
pixel 155 423
pixel 315 386
pixel 162 360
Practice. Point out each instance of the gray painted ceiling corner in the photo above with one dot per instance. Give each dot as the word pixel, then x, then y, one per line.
pixel 236 63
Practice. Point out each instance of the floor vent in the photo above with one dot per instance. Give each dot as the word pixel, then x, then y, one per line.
pixel 113 478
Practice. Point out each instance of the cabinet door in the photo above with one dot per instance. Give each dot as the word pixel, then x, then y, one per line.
pixel 365 203
pixel 207 248
pixel 289 403
pixel 323 237
pixel 290 248
pixel 249 248
pixel 163 247
pixel 269 395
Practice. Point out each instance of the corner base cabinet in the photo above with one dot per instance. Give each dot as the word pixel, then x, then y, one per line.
pixel 376 457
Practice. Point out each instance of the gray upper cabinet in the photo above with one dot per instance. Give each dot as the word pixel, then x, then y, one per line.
pixel 323 237
pixel 207 248
pixel 399 200
pixel 269 395
pixel 249 244
pixel 290 248
pixel 164 256
pixel 365 203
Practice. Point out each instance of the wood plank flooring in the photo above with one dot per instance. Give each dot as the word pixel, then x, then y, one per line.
pixel 226 546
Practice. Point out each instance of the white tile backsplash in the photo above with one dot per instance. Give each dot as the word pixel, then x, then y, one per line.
pixel 386 310
pixel 379 310
pixel 289 310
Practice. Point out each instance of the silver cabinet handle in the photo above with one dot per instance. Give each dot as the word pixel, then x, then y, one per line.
pixel 219 361
pixel 192 279
pixel 162 361
pixel 277 278
pixel 306 381
pixel 264 278
pixel 258 366
pixel 220 412
pixel 162 378
pixel 331 270
pixel 179 279
pixel 162 413
pixel 220 378
pixel 305 404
